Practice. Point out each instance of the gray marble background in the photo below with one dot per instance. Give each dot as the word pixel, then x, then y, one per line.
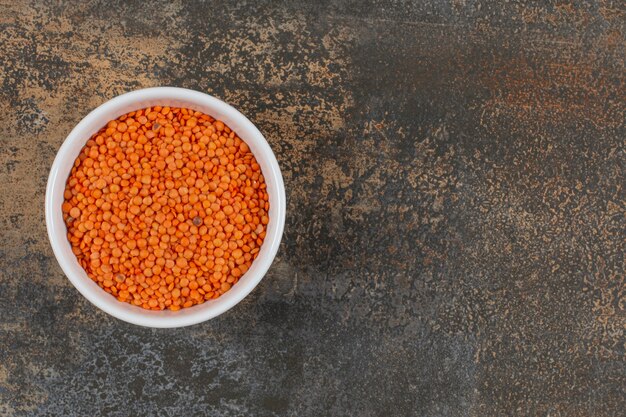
pixel 454 243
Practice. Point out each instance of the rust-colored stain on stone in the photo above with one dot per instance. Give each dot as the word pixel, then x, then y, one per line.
pixel 455 236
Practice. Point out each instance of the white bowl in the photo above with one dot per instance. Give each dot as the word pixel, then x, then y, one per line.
pixel 175 97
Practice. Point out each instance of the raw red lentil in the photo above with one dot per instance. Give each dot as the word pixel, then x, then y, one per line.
pixel 165 208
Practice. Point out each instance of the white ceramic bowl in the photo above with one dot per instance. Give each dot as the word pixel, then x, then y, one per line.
pixel 176 97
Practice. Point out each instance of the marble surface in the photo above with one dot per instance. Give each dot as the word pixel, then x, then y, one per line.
pixel 455 236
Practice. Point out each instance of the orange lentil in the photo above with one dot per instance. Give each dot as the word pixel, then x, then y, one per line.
pixel 165 208
pixel 75 212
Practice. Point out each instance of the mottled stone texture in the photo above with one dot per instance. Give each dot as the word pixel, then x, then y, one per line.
pixel 454 243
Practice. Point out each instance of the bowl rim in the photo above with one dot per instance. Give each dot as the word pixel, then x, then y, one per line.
pixel 165 318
